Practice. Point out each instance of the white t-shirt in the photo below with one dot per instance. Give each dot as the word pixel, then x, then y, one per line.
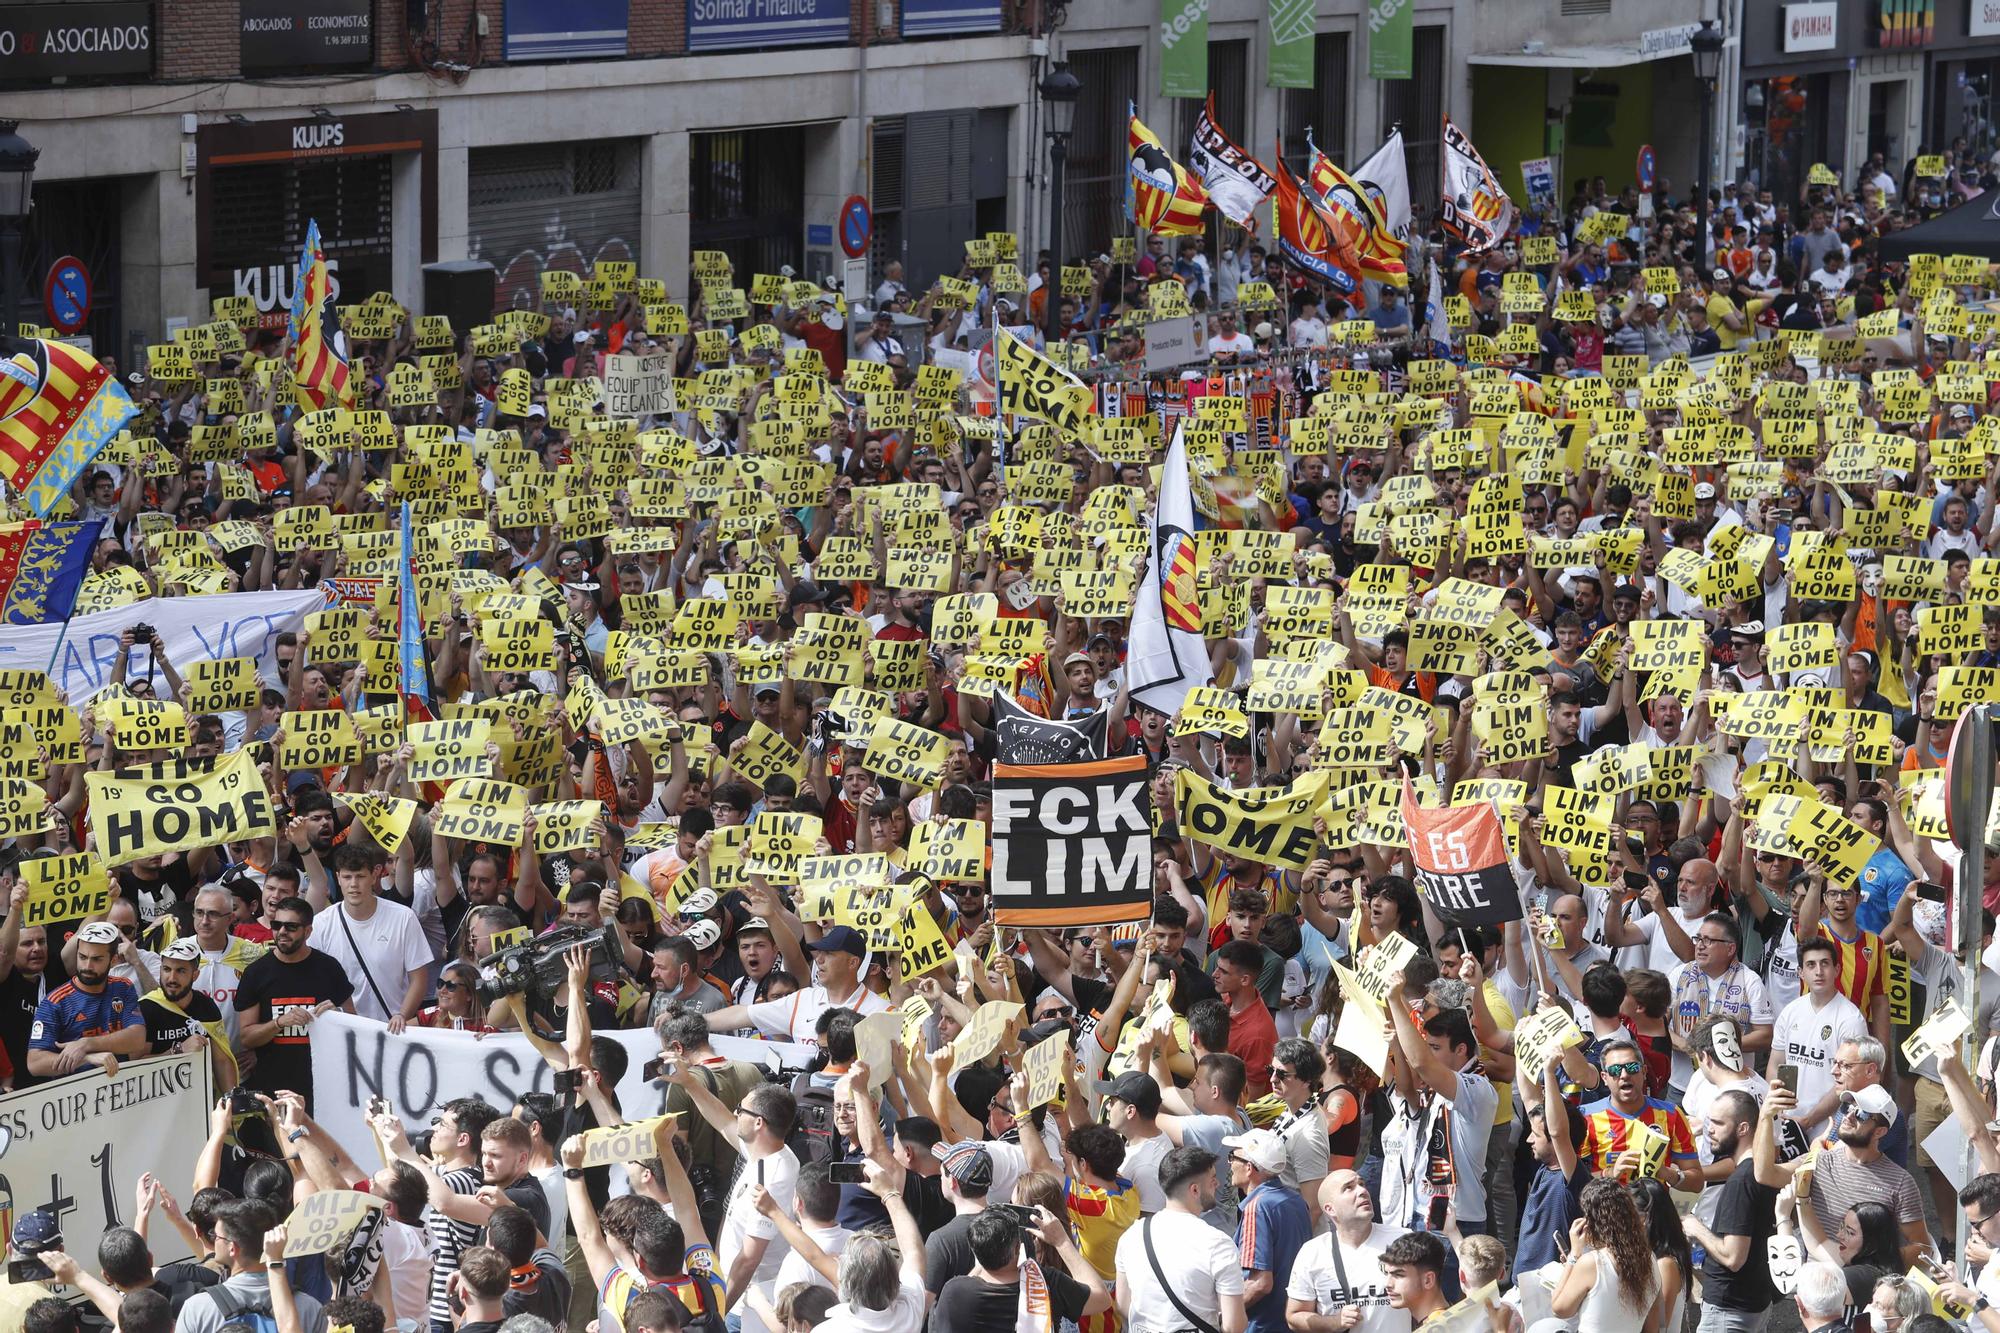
pixel 1316 1278
pixel 793 1267
pixel 1659 955
pixel 742 1223
pixel 904 1315
pixel 406 1253
pixel 1239 342
pixel 1142 1168
pixel 391 944
pixel 1200 1261
pixel 1808 1037
pixel 550 1178
pixel 793 1017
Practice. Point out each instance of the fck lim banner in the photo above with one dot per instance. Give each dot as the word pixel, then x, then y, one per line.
pixel 1072 843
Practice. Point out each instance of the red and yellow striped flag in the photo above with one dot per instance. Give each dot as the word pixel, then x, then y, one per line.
pixel 1161 195
pixel 318 373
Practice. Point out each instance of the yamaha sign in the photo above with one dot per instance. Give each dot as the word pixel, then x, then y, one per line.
pixel 1812 27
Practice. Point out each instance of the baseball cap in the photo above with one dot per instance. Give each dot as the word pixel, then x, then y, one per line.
pixel 841 939
pixel 1074 658
pixel 1261 1148
pixel 1626 589
pixel 1136 1090
pixel 1872 1100
pixel 537 410
pixel 766 688
pixel 1960 410
pixel 967 1163
pixel 703 935
pixel 1722 275
pixel 1264 330
pixel 1704 490
pixel 806 593
pixel 755 923
pixel 37 1230
pixel 1103 638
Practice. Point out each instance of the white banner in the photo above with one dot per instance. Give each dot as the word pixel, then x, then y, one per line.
pixel 191 629
pixel 81 1143
pixel 355 1059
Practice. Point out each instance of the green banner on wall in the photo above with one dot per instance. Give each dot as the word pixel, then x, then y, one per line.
pixel 1293 23
pixel 1389 39
pixel 1184 48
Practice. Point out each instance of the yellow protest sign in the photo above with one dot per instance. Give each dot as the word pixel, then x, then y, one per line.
pixel 447 751
pixel 325 1220
pixel 983 1033
pixel 318 738
pixel 922 945
pixel 223 685
pixel 64 888
pixel 906 752
pixel 1939 1035
pixel 765 754
pixel 387 818
pixel 24 808
pixel 565 826
pixel 634 1141
pixel 1043 1065
pixel 482 810
pixel 178 805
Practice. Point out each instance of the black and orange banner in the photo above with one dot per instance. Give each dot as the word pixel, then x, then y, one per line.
pixel 1461 858
pixel 1072 843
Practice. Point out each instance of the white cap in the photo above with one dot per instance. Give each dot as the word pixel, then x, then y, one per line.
pixel 1261 1148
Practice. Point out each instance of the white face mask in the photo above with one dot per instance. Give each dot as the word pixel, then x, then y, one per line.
pixel 1728 1050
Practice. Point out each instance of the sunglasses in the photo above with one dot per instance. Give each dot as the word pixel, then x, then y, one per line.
pixel 1631 1067
pixel 287 925
pixel 444 986
pixel 1277 1073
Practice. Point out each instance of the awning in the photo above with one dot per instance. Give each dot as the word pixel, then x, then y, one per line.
pixel 1566 57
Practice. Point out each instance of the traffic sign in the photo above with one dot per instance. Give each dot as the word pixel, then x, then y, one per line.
pixel 66 295
pixel 1968 776
pixel 1647 166
pixel 857 226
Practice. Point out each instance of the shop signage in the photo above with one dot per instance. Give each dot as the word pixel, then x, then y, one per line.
pixel 1985 18
pixel 726 25
pixel 284 36
pixel 1656 43
pixel 74 41
pixel 1904 23
pixel 1816 26
pixel 938 18
pixel 565 29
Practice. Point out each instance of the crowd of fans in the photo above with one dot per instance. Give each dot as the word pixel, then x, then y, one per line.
pixel 1676 1089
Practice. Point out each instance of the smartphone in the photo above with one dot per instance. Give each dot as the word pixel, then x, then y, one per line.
pixel 760 1170
pixel 568 1080
pixel 27 1269
pixel 1019 1212
pixel 1635 881
pixel 1933 893
pixel 378 1106
pixel 654 1070
pixel 1788 1078
pixel 846 1173
pixel 1635 845
pixel 1434 1219
pixel 1562 1244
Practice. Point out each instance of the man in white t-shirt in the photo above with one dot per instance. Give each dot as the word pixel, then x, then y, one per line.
pixel 1811 1029
pixel 1200 1262
pixel 381 944
pixel 837 961
pixel 819 1210
pixel 1229 342
pixel 751 1248
pixel 1339 1270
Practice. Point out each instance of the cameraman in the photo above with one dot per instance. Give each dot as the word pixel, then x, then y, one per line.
pixel 684 1039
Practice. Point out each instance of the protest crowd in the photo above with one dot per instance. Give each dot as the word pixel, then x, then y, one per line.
pixel 1430 815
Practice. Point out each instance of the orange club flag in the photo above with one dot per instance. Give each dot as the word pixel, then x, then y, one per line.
pixel 1161 195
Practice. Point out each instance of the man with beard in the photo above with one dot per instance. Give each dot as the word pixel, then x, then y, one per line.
pixel 1206 1276
pixel 1853 1170
pixel 91 1020
pixel 279 997
pixel 181 1018
pixel 1735 1272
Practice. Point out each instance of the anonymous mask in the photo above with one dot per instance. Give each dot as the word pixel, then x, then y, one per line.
pixel 1871 580
pixel 1727 1047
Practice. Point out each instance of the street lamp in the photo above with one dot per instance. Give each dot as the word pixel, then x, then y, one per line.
pixel 1705 46
pixel 17 176
pixel 1060 89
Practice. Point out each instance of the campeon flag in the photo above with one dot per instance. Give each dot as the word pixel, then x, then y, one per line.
pixel 1237 183
pixel 1161 195
pixel 1472 207
pixel 1168 655
pixel 58 409
pixel 1361 233
pixel 1306 234
pixel 318 373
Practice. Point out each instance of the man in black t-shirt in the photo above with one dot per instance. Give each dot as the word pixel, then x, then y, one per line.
pixel 24 979
pixel 990 1296
pixel 1736 1272
pixel 181 1018
pixel 506 1154
pixel 280 995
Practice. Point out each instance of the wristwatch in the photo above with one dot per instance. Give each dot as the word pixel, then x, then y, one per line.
pixel 295 1136
pixel 572 1173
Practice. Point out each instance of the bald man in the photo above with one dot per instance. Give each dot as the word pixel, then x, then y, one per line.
pixel 1663 937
